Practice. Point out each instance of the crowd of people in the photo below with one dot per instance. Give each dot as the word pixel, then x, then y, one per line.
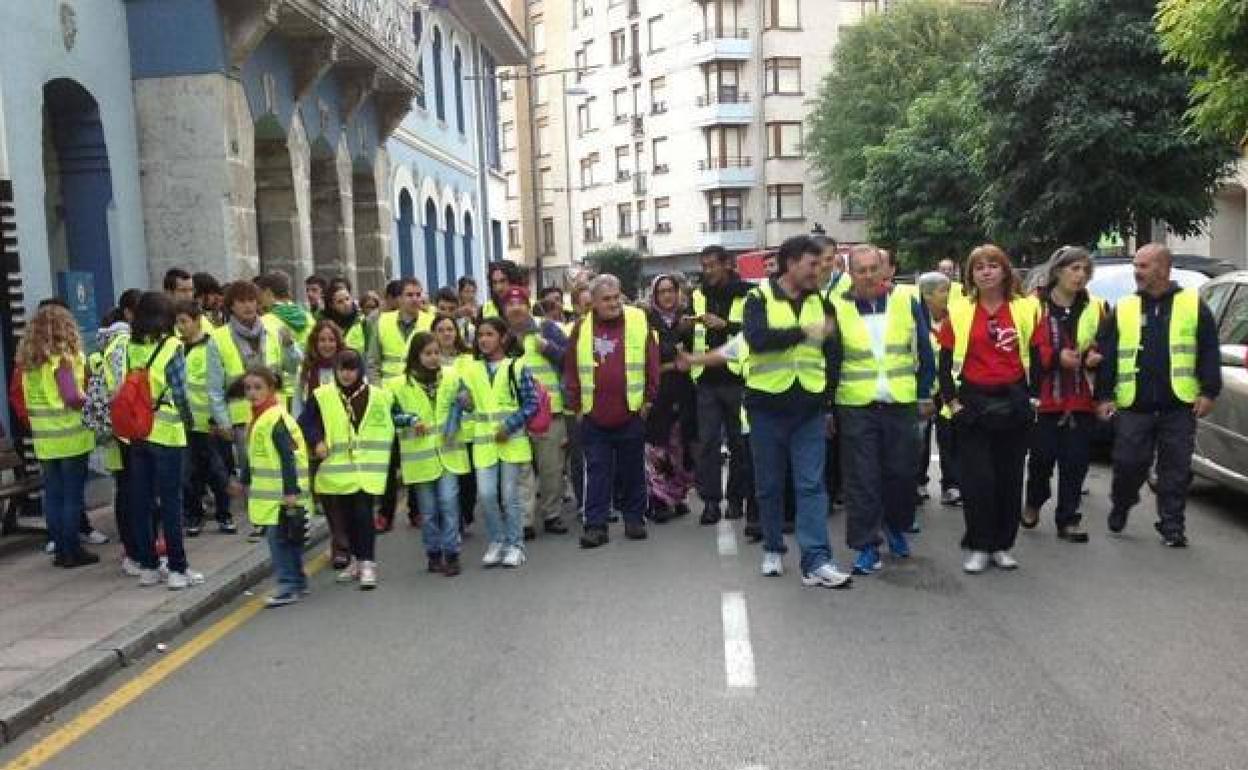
pixel 820 387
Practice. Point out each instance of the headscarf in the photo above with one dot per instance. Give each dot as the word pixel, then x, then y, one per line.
pixel 670 317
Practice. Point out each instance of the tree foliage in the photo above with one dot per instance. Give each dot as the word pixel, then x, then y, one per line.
pixel 922 183
pixel 1083 126
pixel 1210 38
pixel 621 262
pixel 878 68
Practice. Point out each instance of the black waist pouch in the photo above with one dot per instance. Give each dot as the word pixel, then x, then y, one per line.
pixel 1005 408
pixel 292 524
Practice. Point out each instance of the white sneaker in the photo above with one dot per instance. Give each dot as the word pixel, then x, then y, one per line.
pixel 95 537
pixel 130 567
pixel 951 496
pixel 493 555
pixel 827 576
pixel 350 574
pixel 149 577
pixel 514 556
pixel 1004 560
pixel 368 575
pixel 179 580
pixel 921 492
pixel 975 562
pixel 773 564
pixel 49 548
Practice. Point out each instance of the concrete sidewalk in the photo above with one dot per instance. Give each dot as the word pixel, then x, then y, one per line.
pixel 63 631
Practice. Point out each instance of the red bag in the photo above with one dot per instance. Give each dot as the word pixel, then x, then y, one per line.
pixel 133 412
pixel 539 423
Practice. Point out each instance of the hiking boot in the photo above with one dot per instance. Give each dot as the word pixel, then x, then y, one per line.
pixel 710 514
pixel 635 530
pixel 451 567
pixel 594 537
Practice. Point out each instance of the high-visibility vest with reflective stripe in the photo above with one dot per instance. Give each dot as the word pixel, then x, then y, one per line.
pixel 860 369
pixel 112 450
pixel 958 293
pixel 543 371
pixel 393 344
pixel 1184 318
pixel 425 458
pixel 275 325
pixel 1025 312
pixel 735 314
pixel 356 337
pixel 636 334
pixel 1089 323
pixel 490 310
pixel 492 402
pixel 197 386
pixel 776 371
pixel 167 427
pixel 359 458
pixel 58 430
pixel 232 364
pixel 264 497
pixel 205 324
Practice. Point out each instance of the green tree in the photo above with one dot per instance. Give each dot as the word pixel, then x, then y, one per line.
pixel 1210 38
pixel 878 68
pixel 623 263
pixel 1083 123
pixel 922 183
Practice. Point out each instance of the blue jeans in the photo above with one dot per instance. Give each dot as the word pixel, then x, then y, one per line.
pixel 439 502
pixel 497 499
pixel 615 467
pixel 156 495
pixel 778 440
pixel 287 560
pixel 64 501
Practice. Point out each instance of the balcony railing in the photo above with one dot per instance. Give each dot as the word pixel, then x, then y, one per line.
pixel 729 226
pixel 663 228
pixel 738 161
pixel 725 96
pixel 721 34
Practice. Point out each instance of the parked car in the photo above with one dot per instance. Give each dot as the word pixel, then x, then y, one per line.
pixel 1222 438
pixel 1114 277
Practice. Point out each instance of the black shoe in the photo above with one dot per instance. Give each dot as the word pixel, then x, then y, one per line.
pixel 680 510
pixel 787 528
pixel 753 532
pixel 451 567
pixel 79 559
pixel 227 527
pixel 735 511
pixel 1117 520
pixel 435 563
pixel 660 514
pixel 555 526
pixel 710 514
pixel 193 528
pixel 613 517
pixel 341 562
pixel 1172 540
pixel 529 534
pixel 594 537
pixel 1072 533
pixel 635 530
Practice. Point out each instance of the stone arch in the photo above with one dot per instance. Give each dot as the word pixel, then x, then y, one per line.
pixel 428 190
pixel 333 247
pixel 402 180
pixel 370 256
pixel 448 200
pixel 280 235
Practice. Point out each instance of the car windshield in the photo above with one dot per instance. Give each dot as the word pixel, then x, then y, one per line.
pixel 1113 282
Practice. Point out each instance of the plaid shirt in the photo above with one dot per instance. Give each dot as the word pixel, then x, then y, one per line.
pixel 175 381
pixel 526 394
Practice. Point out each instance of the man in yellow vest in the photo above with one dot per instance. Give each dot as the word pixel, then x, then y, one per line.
pixel 544 345
pixel 788 398
pixel 502 274
pixel 1160 373
pixel 277 304
pixel 884 383
pixel 612 377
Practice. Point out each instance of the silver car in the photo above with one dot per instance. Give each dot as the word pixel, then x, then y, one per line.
pixel 1222 437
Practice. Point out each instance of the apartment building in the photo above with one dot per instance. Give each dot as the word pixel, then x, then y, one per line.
pixel 667 126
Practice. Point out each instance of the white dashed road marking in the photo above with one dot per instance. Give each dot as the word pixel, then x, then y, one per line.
pixel 738 652
pixel 726 538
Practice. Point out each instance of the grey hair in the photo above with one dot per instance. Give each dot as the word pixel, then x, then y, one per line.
pixel 859 250
pixel 1064 257
pixel 930 282
pixel 604 281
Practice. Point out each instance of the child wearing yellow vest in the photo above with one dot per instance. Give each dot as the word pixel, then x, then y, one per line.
pixel 275 477
pixel 433 448
pixel 503 399
pixel 455 351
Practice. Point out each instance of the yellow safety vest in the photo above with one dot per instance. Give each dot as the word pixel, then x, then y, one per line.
pixel 1025 311
pixel 636 334
pixel 860 369
pixel 355 337
pixel 167 427
pixel 543 371
pixel 393 344
pixel 264 498
pixel 197 385
pixel 1184 318
pixel 490 310
pixel 359 458
pixel 736 312
pixel 492 402
pixel 58 430
pixel 205 323
pixel 776 371
pixel 425 458
pixel 232 364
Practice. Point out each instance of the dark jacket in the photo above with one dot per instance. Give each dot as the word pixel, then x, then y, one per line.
pixel 719 301
pixel 675 401
pixel 763 339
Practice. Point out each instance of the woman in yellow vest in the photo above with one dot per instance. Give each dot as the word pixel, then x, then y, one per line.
pixel 984 361
pixel 53 369
pixel 349 425
pixel 342 310
pixel 503 399
pixel 433 447
pixel 275 477
pixel 456 351
pixel 325 341
pixel 671 424
pixel 157 462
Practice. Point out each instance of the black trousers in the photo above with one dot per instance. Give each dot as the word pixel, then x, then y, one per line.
pixel 389 498
pixel 990 465
pixel 719 414
pixel 946 448
pixel 878 465
pixel 355 512
pixel 1064 441
pixel 206 469
pixel 1169 437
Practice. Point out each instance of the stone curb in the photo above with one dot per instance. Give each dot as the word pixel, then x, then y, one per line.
pixel 25 707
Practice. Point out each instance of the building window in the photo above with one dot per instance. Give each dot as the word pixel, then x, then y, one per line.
pixel 548 236
pixel 584 117
pixel 543 139
pixel 852 210
pixel 545 193
pixel 618 47
pixel 458 70
pixel 439 98
pixel 591 224
pixel 589 170
pixel 622 170
pixel 662 215
pixel 784 140
pixel 726 207
pixel 782 14
pixel 509 136
pixel 538 86
pixel 658 155
pixel 513 186
pixel 658 95
pixel 580 60
pixel 537 38
pixel 784 76
pixel 654 29
pixel 513 234
pixel 418 29
pixel 624 213
pixel 619 105
pixel 641 216
pixel 784 202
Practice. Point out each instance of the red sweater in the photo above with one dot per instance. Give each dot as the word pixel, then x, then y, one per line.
pixel 1061 390
pixel 610 399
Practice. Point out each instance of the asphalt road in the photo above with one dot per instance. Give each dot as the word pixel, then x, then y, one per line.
pixel 1115 654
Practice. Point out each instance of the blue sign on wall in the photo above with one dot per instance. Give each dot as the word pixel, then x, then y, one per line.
pixel 78 289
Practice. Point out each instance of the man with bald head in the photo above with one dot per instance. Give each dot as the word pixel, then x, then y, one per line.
pixel 1161 371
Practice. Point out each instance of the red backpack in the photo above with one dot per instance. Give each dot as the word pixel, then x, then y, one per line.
pixel 539 423
pixel 133 411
